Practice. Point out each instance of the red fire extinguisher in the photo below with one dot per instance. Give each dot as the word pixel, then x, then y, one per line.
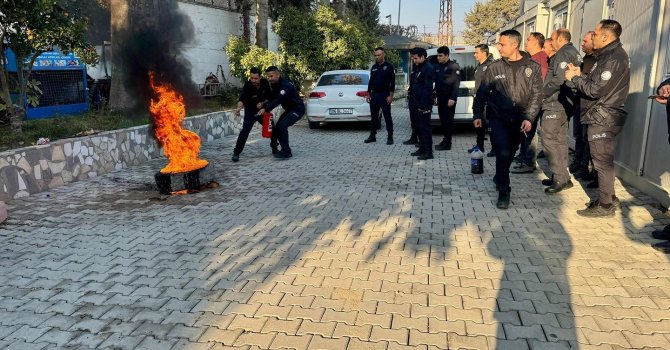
pixel 267 125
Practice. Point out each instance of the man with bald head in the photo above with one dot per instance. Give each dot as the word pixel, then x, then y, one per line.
pixel 558 105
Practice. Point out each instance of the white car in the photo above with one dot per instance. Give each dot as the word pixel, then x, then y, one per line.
pixel 464 56
pixel 339 96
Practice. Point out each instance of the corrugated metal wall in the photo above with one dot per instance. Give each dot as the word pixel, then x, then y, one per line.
pixel 639 19
pixel 657 162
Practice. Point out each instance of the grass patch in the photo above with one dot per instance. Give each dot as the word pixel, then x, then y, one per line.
pixel 62 127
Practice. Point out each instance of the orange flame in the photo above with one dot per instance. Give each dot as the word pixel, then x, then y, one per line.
pixel 180 146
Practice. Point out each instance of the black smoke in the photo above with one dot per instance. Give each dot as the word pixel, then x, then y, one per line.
pixel 154 41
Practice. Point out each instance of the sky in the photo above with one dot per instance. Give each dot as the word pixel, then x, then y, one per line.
pixel 423 13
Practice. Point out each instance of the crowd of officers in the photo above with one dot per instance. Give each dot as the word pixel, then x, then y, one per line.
pixel 546 85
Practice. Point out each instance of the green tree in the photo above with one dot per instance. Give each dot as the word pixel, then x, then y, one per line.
pixel 321 41
pixel 277 6
pixel 486 18
pixel 30 28
pixel 366 11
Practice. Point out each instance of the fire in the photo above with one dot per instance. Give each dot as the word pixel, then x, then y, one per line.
pixel 180 146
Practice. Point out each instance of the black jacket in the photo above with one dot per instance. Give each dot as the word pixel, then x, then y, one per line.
pixel 509 93
pixel 284 93
pixel 608 83
pixel 447 81
pixel 382 78
pixel 421 86
pixel 251 95
pixel 479 72
pixel 667 104
pixel 557 95
pixel 588 61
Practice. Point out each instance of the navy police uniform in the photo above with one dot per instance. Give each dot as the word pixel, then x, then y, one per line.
pixel 284 93
pixel 421 106
pixel 608 84
pixel 479 76
pixel 511 91
pixel 559 103
pixel 380 87
pixel 447 82
pixel 251 96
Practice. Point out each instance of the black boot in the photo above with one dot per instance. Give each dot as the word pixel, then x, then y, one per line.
pixel 503 199
pixel 412 141
pixel 371 138
pixel 389 140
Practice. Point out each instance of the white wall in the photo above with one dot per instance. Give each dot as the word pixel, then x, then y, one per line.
pixel 213 27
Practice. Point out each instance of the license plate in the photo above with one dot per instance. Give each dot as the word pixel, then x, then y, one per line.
pixel 337 111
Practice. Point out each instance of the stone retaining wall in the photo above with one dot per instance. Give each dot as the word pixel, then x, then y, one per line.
pixel 35 169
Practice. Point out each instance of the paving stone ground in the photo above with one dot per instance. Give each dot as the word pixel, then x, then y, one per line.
pixel 345 246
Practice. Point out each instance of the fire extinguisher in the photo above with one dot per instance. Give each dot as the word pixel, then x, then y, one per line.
pixel 268 123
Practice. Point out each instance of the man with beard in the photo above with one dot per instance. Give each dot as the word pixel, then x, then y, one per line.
pixel 608 84
pixel 284 94
pixel 255 91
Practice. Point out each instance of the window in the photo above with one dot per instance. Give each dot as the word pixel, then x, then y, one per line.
pixel 561 18
pixel 344 79
pixel 531 27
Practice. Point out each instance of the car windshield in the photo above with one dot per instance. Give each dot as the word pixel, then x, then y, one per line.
pixel 466 62
pixel 343 79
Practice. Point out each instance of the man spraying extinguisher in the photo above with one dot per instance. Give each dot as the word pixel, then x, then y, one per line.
pixel 254 92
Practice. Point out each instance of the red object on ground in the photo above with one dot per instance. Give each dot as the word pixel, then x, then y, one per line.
pixel 267 125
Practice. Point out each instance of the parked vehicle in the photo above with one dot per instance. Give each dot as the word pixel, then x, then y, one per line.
pixel 339 96
pixel 464 56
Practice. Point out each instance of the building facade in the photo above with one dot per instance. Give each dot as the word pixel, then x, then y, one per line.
pixel 642 150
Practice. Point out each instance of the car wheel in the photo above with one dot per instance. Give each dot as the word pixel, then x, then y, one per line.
pixel 313 125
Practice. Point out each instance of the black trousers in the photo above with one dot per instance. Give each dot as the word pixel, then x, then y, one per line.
pixel 582 151
pixel 602 142
pixel 247 123
pixel 555 143
pixel 414 122
pixel 506 135
pixel 446 114
pixel 424 131
pixel 280 130
pixel 377 103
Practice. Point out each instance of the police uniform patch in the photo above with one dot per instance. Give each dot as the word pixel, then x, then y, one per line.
pixel 458 72
pixel 564 65
pixel 385 67
pixel 282 92
pixel 606 75
pixel 528 72
pixel 485 67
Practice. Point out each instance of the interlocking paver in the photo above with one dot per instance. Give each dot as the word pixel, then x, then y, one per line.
pixel 346 246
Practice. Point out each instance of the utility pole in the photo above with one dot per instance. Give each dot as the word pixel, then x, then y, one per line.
pixel 445 35
pixel 390 24
pixel 399 2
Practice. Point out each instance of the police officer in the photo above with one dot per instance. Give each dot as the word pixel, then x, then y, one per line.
pixel 558 104
pixel 512 93
pixel 255 91
pixel 580 164
pixel 282 93
pixel 484 58
pixel 421 102
pixel 664 92
pixel 608 83
pixel 380 95
pixel 447 81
